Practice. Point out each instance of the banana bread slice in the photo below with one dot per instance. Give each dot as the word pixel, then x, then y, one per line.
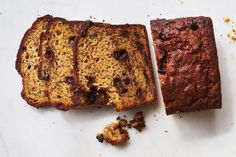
pixel 27 63
pixel 113 66
pixel 187 63
pixel 56 61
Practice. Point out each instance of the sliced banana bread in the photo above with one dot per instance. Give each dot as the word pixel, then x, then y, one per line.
pixel 27 64
pixel 113 66
pixel 56 64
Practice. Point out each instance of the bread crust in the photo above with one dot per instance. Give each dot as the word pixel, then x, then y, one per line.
pixel 18 62
pixel 187 60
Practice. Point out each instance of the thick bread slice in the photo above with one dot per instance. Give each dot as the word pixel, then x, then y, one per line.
pixel 56 64
pixel 113 66
pixel 27 63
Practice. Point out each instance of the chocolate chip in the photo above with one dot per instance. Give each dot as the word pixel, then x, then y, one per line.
pixel 46 75
pixel 91 96
pixel 124 33
pixel 120 54
pixel 58 32
pixel 194 26
pixel 84 30
pixel 29 67
pixel 72 40
pixel 100 138
pixel 48 53
pixel 162 64
pixel 117 82
pixel 88 23
pixel 139 46
pixel 127 81
pixel 124 90
pixel 162 36
pixel 90 81
pixel 69 79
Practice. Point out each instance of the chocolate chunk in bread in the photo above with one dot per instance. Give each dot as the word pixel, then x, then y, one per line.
pixel 117 57
pixel 188 64
pixel 27 64
pixel 56 61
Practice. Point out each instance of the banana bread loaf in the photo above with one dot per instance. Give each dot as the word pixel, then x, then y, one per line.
pixel 187 64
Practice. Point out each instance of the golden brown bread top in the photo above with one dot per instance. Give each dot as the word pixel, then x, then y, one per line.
pixel 27 63
pixel 113 66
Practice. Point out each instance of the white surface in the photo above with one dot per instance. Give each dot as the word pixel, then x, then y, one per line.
pixel 28 132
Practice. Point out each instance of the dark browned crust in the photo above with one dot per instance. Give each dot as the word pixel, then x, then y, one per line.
pixel 18 62
pixel 19 53
pixel 81 102
pixel 187 59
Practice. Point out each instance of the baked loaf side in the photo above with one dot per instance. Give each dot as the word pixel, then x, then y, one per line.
pixel 113 66
pixel 187 63
pixel 27 63
pixel 56 61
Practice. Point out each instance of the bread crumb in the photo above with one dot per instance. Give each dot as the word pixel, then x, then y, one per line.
pixel 148 15
pixel 138 122
pixel 226 19
pixel 103 20
pixel 166 131
pixel 90 17
pixel 114 133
